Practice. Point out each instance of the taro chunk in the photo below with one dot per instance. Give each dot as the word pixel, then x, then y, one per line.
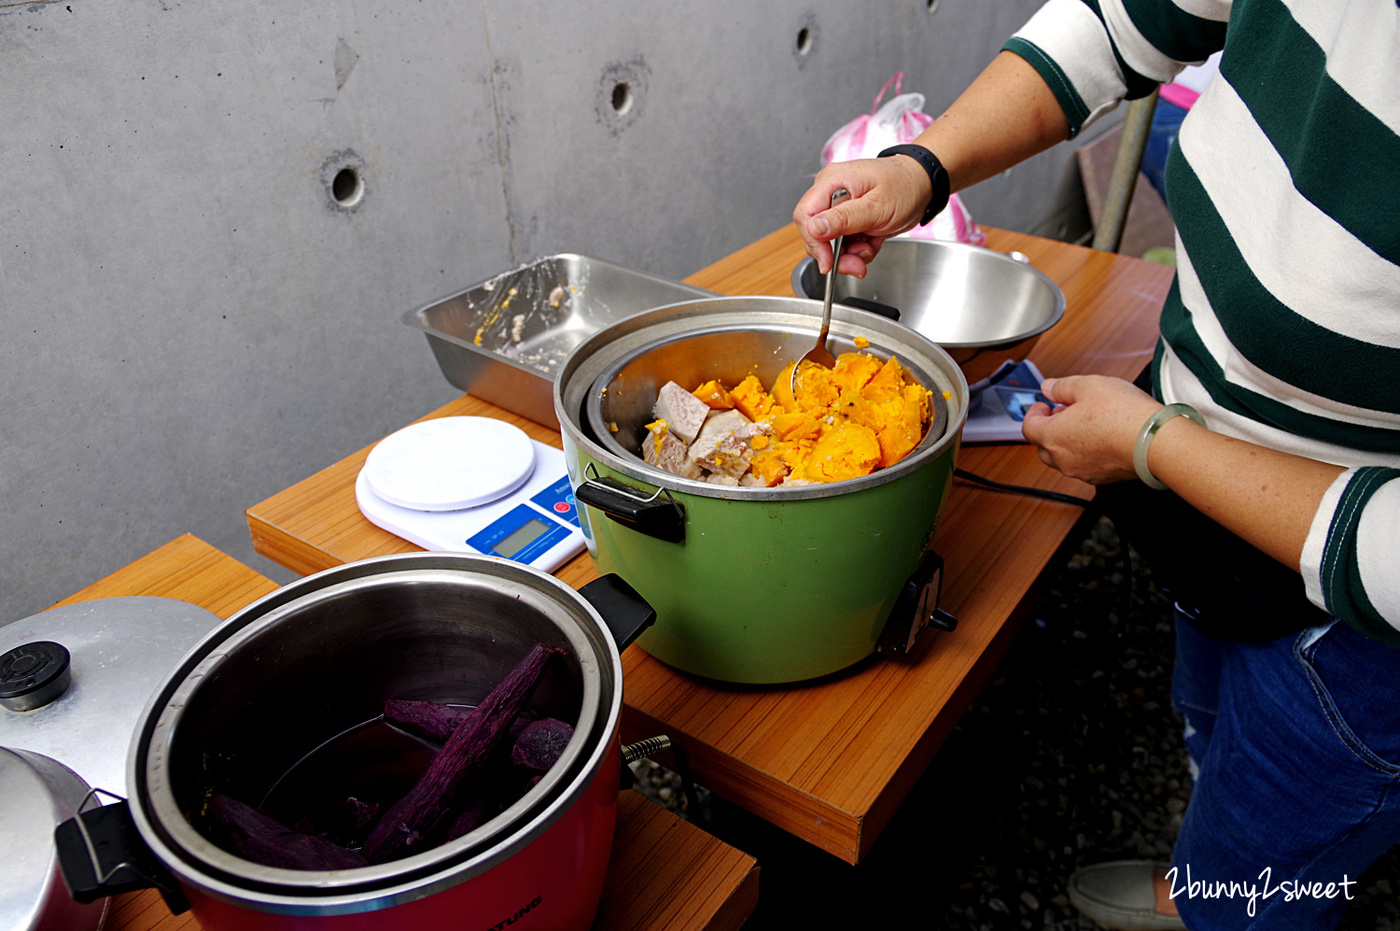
pixel 722 448
pixel 668 454
pixel 683 412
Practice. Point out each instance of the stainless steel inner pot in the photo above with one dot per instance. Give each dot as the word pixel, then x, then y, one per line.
pixel 606 389
pixel 321 656
pixel 620 406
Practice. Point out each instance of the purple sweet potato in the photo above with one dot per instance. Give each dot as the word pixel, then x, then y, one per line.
pixel 421 819
pixel 471 819
pixel 352 821
pixel 429 719
pixel 255 836
pixel 540 744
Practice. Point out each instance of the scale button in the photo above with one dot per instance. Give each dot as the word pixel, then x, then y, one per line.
pixel 559 498
pixel 450 463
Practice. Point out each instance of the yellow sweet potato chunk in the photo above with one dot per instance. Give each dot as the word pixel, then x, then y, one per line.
pixel 769 466
pixel 751 400
pixel 848 450
pixel 715 396
pixel 899 426
pixel 918 396
pixel 794 427
pixel 782 389
pixel 816 388
pixel 887 382
pixel 854 370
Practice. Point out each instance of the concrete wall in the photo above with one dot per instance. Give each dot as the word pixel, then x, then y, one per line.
pixel 193 321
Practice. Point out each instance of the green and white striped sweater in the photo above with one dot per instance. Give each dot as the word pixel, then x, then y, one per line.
pixel 1283 326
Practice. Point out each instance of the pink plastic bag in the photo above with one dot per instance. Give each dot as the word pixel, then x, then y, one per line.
pixel 900 120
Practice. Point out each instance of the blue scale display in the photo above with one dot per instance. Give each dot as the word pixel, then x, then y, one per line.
pixel 473 485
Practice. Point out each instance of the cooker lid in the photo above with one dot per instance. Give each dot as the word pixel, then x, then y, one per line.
pixel 81 674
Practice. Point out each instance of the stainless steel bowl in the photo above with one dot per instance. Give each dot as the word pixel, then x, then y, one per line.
pixel 983 307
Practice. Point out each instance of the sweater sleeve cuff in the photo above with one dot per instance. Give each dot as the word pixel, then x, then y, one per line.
pixel 1068 46
pixel 1310 563
pixel 1348 563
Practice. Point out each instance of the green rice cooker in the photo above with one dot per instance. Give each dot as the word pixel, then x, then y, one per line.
pixel 755 584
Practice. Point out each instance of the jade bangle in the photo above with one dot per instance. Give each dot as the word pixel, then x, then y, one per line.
pixel 1149 430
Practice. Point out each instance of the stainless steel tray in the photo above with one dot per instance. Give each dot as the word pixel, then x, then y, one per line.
pixel 504 339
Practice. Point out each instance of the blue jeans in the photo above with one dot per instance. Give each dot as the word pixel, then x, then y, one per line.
pixel 1295 744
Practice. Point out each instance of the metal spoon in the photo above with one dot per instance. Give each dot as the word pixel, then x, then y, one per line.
pixel 819 354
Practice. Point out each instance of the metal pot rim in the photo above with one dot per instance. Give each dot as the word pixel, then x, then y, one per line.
pixel 627 339
pixel 196 861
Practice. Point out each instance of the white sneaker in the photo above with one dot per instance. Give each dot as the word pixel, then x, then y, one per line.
pixel 1127 895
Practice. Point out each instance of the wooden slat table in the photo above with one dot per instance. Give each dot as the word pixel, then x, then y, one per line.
pixel 665 873
pixel 829 762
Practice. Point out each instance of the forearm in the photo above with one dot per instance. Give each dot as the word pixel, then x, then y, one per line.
pixel 1335 526
pixel 1266 497
pixel 1005 116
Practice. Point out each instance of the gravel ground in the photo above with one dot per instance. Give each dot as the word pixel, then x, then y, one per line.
pixel 1070 755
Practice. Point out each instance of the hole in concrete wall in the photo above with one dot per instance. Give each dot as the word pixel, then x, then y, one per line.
pixel 346 186
pixel 621 97
pixel 622 94
pixel 343 181
pixel 932 5
pixel 808 37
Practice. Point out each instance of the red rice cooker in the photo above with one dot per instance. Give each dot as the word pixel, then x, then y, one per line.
pixel 317 659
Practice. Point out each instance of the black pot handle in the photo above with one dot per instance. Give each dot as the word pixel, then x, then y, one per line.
pixel 626 613
pixel 101 854
pixel 656 515
pixel 875 307
pixel 915 609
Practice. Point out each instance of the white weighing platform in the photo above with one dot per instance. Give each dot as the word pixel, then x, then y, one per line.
pixel 473 485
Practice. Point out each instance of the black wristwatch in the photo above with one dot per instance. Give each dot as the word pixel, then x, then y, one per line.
pixel 936 176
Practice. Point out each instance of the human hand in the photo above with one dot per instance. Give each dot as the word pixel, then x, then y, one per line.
pixel 1090 432
pixel 888 196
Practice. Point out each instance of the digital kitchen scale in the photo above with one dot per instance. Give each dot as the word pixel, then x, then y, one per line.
pixel 473 485
pixel 995 412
